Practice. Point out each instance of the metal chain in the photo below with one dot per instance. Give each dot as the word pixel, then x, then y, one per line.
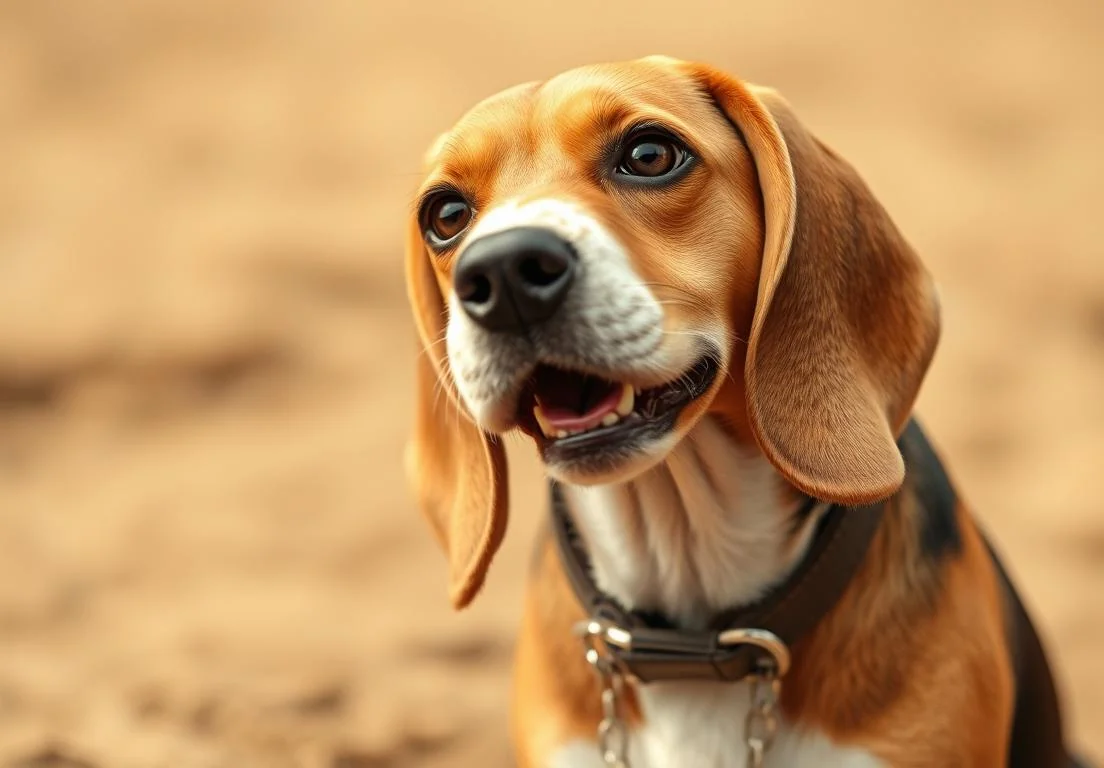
pixel 762 723
pixel 613 734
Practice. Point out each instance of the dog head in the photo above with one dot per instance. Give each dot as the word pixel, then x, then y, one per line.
pixel 600 259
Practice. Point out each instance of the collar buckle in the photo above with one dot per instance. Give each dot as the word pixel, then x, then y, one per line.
pixel 621 645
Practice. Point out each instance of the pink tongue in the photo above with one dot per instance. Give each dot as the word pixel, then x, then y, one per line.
pixel 568 420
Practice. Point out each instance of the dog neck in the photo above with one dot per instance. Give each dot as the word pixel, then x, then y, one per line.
pixel 710 528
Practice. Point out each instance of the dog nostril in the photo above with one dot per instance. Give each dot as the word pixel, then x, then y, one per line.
pixel 542 269
pixel 475 290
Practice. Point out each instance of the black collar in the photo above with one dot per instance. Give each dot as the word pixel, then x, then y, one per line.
pixel 740 641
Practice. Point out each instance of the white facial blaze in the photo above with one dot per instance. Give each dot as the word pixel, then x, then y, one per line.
pixel 609 321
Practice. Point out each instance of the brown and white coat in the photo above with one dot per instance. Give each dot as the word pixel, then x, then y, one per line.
pixel 764 255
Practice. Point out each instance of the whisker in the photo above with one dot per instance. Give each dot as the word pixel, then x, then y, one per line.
pixel 665 302
pixel 676 332
pixel 667 286
pixel 685 297
pixel 440 340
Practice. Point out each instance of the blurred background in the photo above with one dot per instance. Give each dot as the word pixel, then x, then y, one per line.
pixel 208 556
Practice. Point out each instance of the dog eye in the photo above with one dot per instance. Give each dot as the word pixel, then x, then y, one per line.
pixel 651 156
pixel 446 216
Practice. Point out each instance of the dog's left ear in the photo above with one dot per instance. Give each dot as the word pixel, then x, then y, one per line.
pixel 458 471
pixel 846 318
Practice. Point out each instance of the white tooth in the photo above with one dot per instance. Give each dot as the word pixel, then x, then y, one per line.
pixel 628 399
pixel 546 428
pixel 610 419
pixel 561 434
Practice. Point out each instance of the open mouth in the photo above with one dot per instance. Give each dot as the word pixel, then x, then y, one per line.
pixel 570 413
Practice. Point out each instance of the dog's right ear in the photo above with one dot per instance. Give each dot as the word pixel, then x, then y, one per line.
pixel 458 472
pixel 846 318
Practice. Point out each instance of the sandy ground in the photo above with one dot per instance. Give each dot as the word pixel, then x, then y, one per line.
pixel 207 554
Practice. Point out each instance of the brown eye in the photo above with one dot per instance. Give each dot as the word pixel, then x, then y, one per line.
pixel 651 156
pixel 446 216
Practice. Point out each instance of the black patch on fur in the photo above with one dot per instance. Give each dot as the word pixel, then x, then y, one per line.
pixel 935 496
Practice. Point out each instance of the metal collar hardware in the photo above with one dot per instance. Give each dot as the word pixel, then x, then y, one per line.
pixel 760 725
pixel 749 644
pixel 613 733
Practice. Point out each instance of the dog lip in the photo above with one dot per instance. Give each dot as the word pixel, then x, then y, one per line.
pixel 655 410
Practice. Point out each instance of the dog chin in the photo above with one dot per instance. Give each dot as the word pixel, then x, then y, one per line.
pixel 605 467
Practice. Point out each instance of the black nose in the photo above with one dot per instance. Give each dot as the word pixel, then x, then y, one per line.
pixel 511 280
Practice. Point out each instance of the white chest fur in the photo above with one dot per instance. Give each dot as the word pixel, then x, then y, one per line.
pixel 703 531
pixel 713 742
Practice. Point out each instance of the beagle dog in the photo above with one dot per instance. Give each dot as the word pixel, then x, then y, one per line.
pixel 713 334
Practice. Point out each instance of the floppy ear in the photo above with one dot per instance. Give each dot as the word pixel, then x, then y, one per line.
pixel 458 471
pixel 846 318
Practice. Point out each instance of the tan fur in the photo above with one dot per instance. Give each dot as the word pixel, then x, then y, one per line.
pixel 845 319
pixel 833 322
pixel 556 693
pixel 457 471
pixel 904 665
